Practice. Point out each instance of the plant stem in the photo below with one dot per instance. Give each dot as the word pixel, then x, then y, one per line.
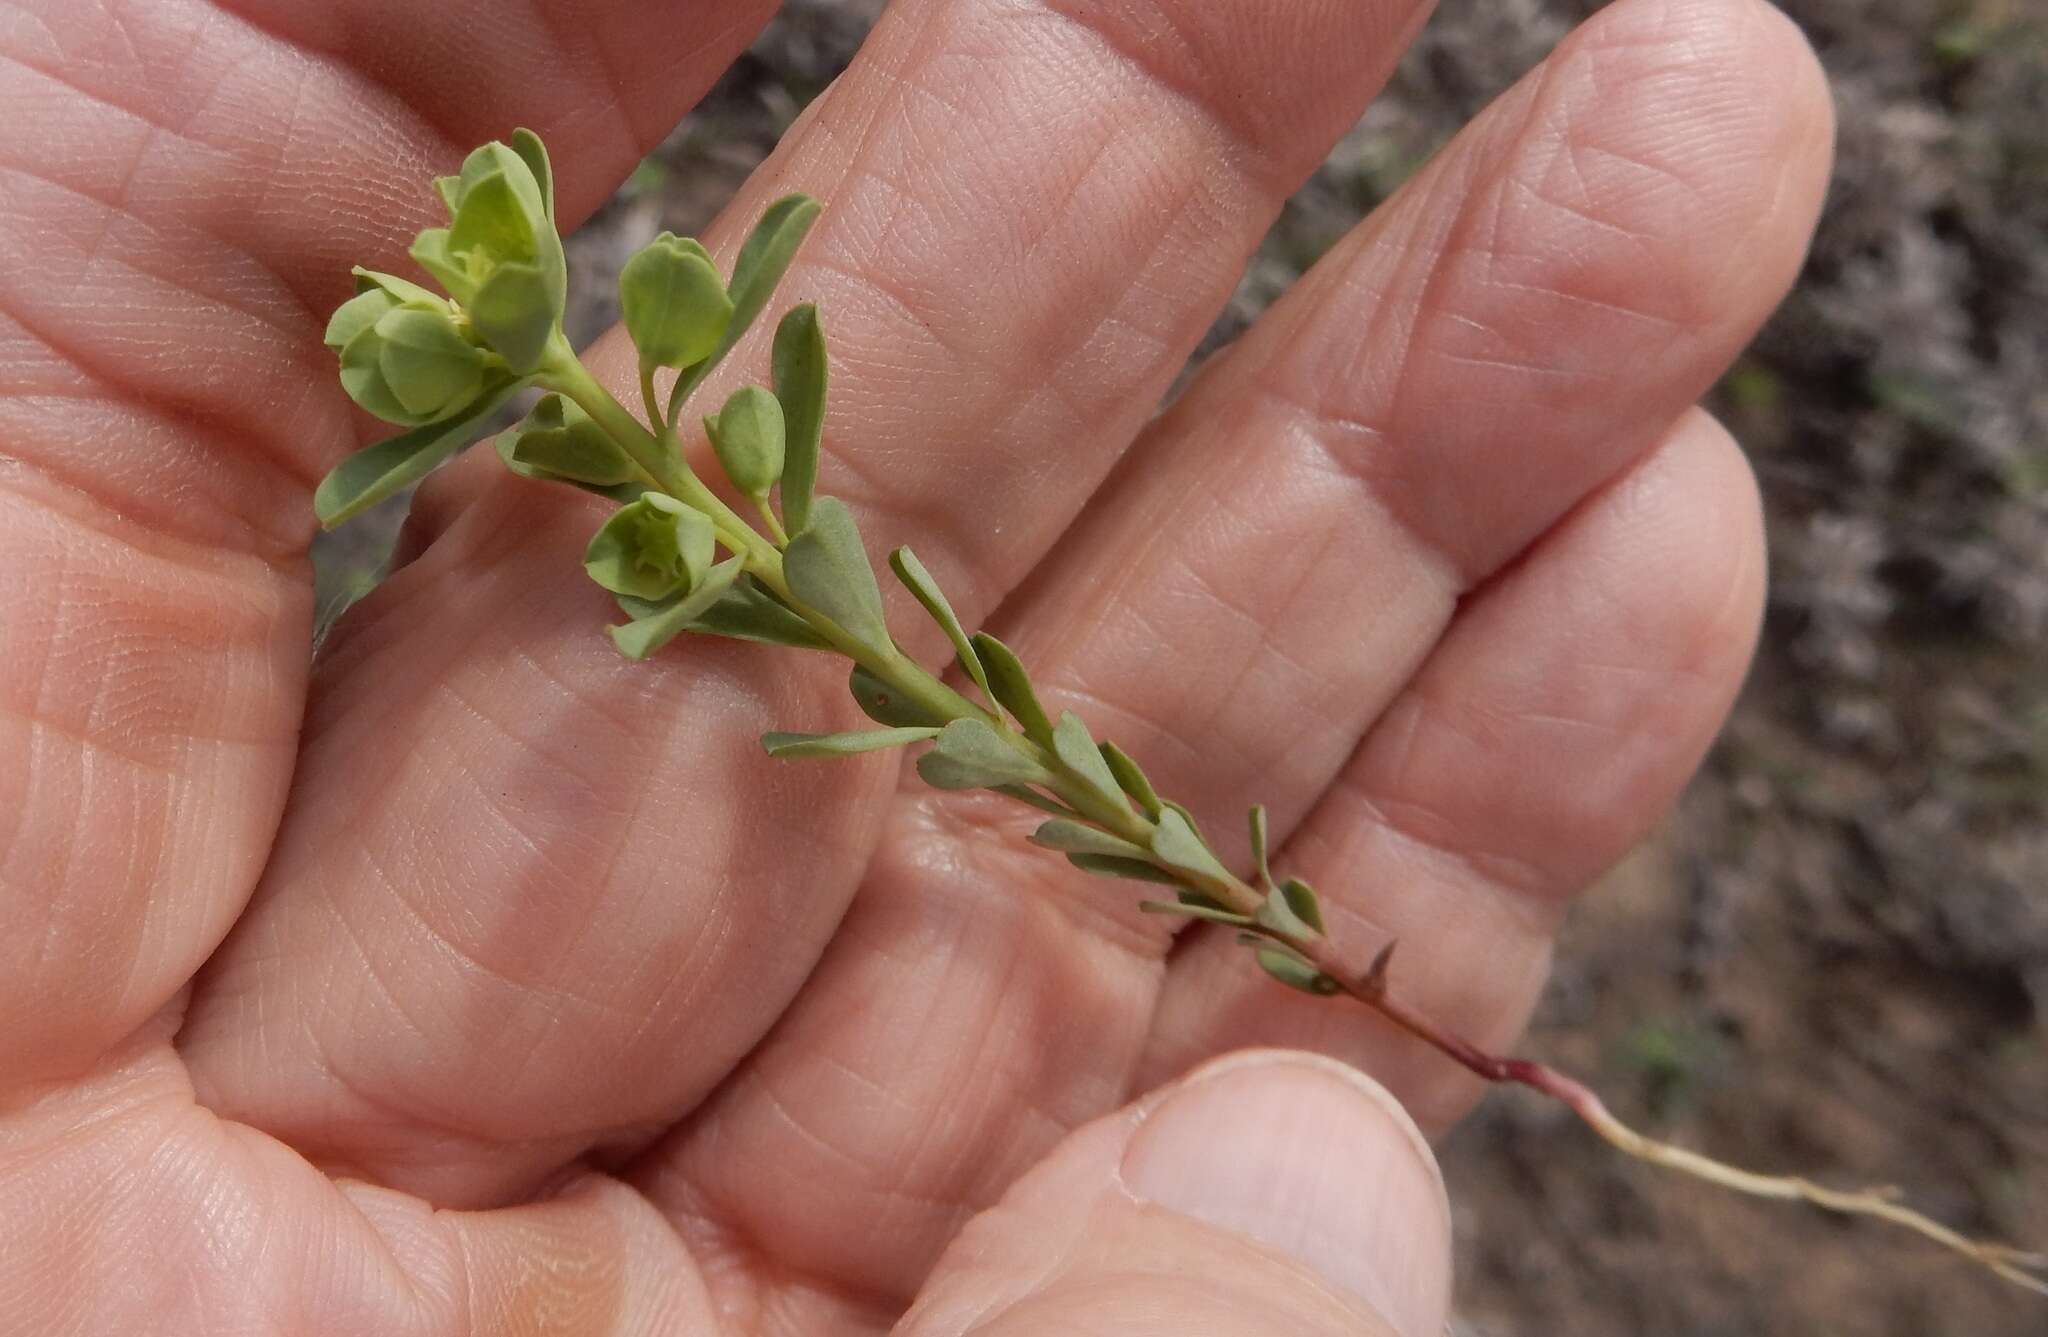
pixel 658 455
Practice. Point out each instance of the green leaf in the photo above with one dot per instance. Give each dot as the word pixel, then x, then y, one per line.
pixel 641 638
pixel 841 744
pixel 653 548
pixel 799 371
pixel 885 705
pixel 534 154
pixel 1213 914
pixel 827 568
pixel 1301 899
pixel 1176 845
pixel 1110 865
pixel 515 312
pixel 1042 802
pixel 920 583
pixel 1071 837
pixel 674 303
pixel 968 754
pixel 765 257
pixel 747 437
pixel 748 613
pixel 1011 686
pixel 1294 972
pixel 1073 746
pixel 1258 830
pixel 376 472
pixel 1132 780
pixel 426 361
pixel 1292 910
pixel 557 440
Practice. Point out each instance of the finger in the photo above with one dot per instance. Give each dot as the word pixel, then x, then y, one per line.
pixel 1241 605
pixel 1521 323
pixel 1549 730
pixel 599 915
pixel 132 1210
pixel 1269 1193
pixel 163 411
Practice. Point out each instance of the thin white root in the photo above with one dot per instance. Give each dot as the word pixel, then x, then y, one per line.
pixel 2017 1266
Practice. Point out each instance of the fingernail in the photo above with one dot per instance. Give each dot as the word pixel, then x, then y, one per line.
pixel 1316 1162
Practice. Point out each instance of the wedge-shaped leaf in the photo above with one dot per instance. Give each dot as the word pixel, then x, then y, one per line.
pixel 1042 802
pixel 1195 911
pixel 765 257
pixel 1132 780
pixel 841 744
pixel 527 145
pixel 643 636
pixel 749 613
pixel 1176 845
pixel 558 441
pixel 1301 900
pixel 969 754
pixel 1070 837
pixel 1293 971
pixel 1011 687
pixel 827 568
pixel 1258 831
pixel 920 583
pixel 376 472
pixel 799 372
pixel 622 493
pixel 885 705
pixel 1077 751
pixel 1291 908
pixel 1111 865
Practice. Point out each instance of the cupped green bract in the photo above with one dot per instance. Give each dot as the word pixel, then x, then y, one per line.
pixel 674 302
pixel 558 440
pixel 409 362
pixel 747 435
pixel 651 549
pixel 500 256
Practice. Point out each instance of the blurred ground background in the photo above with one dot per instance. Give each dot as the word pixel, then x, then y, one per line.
pixel 1835 957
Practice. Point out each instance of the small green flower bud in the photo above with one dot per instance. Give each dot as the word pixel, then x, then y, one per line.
pixel 559 440
pixel 748 436
pixel 651 548
pixel 675 304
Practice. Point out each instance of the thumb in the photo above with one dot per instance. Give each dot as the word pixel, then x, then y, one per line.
pixel 1270 1192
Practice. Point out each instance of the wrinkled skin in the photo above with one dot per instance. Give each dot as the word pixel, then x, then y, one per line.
pixel 1439 562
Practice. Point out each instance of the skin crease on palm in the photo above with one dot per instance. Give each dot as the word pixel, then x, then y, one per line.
pixel 479 981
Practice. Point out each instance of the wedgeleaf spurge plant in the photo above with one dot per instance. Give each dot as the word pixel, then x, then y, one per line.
pixel 442 364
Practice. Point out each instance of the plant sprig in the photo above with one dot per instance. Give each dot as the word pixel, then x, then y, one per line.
pixel 442 365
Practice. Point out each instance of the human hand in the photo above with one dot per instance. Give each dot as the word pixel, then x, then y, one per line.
pixel 1438 564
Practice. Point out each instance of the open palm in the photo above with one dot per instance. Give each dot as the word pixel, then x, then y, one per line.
pixel 1438 562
